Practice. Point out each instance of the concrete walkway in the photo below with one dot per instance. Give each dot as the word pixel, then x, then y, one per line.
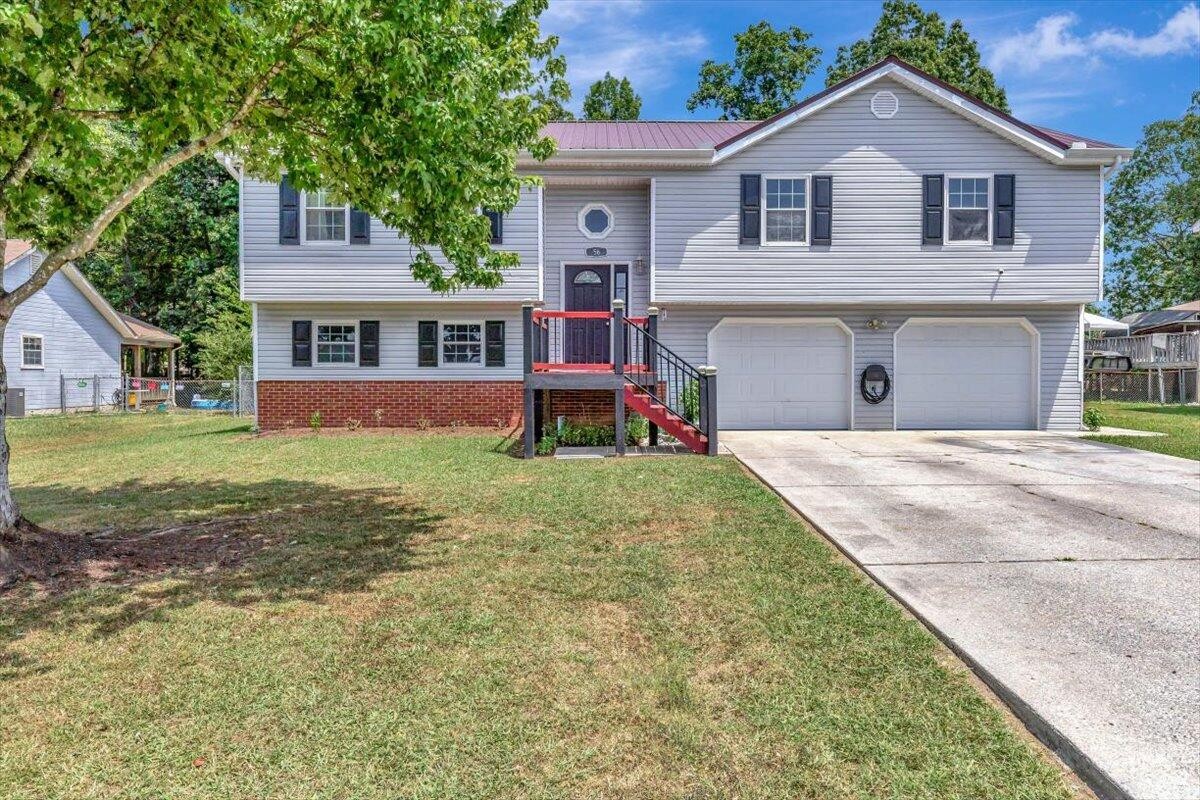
pixel 1066 572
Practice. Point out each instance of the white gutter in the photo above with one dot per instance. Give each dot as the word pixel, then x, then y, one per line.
pixel 1112 157
pixel 609 158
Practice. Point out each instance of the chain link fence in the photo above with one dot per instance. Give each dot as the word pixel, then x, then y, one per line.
pixel 1163 386
pixel 122 393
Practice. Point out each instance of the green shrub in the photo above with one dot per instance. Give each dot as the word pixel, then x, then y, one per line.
pixel 691 402
pixel 586 435
pixel 1093 418
pixel 315 421
pixel 547 442
pixel 637 429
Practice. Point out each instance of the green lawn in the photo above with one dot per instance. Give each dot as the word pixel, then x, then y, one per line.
pixel 1180 423
pixel 425 616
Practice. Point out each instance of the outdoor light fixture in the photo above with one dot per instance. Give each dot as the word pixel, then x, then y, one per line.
pixel 876 324
pixel 875 384
pixel 639 266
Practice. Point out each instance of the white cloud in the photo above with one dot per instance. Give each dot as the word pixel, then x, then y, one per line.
pixel 1052 41
pixel 612 36
pixel 1180 35
pixel 1045 105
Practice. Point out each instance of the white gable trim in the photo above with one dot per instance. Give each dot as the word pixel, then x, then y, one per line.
pixel 974 111
pixel 71 273
pixel 84 286
pixel 943 97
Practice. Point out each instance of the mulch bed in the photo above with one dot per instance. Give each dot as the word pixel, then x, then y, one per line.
pixel 460 430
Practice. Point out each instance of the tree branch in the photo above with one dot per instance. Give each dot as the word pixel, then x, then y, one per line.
pixel 18 169
pixel 97 113
pixel 86 239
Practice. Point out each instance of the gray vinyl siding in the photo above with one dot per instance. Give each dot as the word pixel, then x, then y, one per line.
pixel 397 340
pixel 628 241
pixel 876 254
pixel 378 271
pixel 76 340
pixel 685 330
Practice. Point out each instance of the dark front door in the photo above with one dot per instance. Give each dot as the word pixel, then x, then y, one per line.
pixel 587 339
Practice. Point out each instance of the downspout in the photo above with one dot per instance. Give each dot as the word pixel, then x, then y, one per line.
pixel 1105 174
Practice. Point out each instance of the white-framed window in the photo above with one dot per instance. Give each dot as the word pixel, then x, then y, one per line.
pixel 785 209
pixel 461 343
pixel 969 208
pixel 326 218
pixel 336 343
pixel 595 221
pixel 33 351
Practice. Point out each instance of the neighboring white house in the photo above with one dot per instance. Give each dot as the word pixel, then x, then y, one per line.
pixel 890 253
pixel 68 329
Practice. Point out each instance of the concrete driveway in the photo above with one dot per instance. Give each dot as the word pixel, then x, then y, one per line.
pixel 1066 572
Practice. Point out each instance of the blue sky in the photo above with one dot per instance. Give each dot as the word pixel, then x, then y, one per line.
pixel 1099 69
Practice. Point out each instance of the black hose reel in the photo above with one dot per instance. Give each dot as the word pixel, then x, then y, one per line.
pixel 875 384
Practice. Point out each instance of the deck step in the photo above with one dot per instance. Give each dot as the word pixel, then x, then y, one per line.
pixel 666 419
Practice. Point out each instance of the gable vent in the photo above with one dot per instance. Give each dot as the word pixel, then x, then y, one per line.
pixel 884 105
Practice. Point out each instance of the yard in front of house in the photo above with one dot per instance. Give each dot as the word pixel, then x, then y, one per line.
pixel 1181 424
pixel 423 615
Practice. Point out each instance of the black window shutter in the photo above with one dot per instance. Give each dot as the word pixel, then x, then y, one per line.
pixel 931 211
pixel 368 343
pixel 301 343
pixel 427 344
pixel 822 209
pixel 751 207
pixel 494 343
pixel 497 220
pixel 289 212
pixel 360 227
pixel 1004 224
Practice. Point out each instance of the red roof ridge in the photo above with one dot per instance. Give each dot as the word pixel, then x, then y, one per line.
pixel 14 249
pixel 651 121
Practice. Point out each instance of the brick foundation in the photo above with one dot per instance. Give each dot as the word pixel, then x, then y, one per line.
pixel 289 404
pixel 580 405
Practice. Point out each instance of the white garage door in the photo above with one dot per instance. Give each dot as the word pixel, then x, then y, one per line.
pixel 781 375
pixel 964 375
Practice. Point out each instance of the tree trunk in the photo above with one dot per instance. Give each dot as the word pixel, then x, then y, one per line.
pixel 10 515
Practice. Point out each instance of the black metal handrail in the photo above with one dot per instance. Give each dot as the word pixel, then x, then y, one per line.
pixel 683 389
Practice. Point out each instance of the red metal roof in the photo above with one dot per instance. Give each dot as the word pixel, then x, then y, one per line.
pixel 14 248
pixel 697 134
pixel 1067 139
pixel 644 135
pixel 144 330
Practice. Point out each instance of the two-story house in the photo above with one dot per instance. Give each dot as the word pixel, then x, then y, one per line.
pixel 888 254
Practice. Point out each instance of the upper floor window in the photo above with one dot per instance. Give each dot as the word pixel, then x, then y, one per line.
pixel 968 209
pixel 785 210
pixel 595 221
pixel 337 343
pixel 326 218
pixel 32 352
pixel 496 218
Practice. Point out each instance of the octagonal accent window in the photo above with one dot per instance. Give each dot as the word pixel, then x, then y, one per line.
pixel 595 221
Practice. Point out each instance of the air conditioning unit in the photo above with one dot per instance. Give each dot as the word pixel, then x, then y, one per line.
pixel 15 402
